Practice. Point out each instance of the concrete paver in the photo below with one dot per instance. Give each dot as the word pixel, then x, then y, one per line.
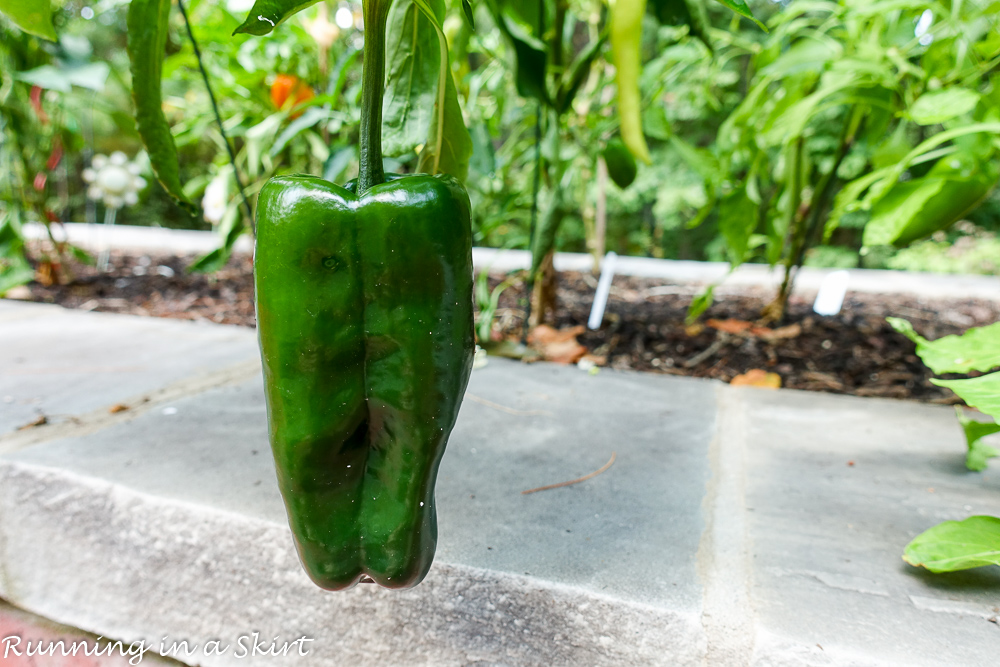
pixel 56 362
pixel 737 527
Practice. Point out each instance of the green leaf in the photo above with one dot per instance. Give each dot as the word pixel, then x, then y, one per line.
pixel 698 22
pixel 338 162
pixel 889 177
pixel 467 11
pixel 148 23
pixel 982 392
pixel 82 256
pixel 307 120
pixel 740 7
pixel 31 16
pixel 915 209
pixel 943 105
pixel 979 453
pixel 265 15
pixel 737 222
pixel 700 304
pixel 577 74
pixel 807 55
pixel 530 55
pixel 449 145
pixel 699 159
pixel 957 545
pixel 685 12
pixel 14 267
pixel 231 229
pixel 451 154
pixel 91 76
pixel 414 61
pixel 977 349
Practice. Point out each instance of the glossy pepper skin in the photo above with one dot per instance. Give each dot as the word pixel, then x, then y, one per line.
pixel 364 314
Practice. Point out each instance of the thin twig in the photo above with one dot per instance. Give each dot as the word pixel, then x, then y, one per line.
pixel 504 408
pixel 575 481
pixel 719 343
pixel 218 117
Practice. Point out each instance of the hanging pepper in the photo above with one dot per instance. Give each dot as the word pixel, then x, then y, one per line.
pixel 626 54
pixel 364 313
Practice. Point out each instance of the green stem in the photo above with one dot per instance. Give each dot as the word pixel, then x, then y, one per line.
pixel 376 13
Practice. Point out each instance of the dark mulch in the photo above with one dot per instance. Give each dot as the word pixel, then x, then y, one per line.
pixel 855 352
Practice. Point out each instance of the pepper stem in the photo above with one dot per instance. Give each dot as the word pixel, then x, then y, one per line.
pixel 376 14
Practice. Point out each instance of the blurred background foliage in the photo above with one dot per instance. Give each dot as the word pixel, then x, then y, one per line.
pixel 854 133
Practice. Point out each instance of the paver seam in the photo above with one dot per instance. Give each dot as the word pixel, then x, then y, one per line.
pixel 101 418
pixel 723 553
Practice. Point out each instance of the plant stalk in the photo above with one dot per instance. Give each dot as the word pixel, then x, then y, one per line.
pixel 218 117
pixel 372 172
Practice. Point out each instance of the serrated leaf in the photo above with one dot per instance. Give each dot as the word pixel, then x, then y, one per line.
pixel 943 105
pixel 32 16
pixel 265 15
pixel 982 392
pixel 977 349
pixel 979 453
pixel 957 545
pixel 148 25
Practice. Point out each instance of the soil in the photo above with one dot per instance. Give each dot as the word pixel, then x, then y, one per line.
pixel 855 352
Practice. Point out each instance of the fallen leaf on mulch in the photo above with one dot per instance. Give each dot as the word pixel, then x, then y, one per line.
pixel 757 378
pixel 695 329
pixel 781 333
pixel 560 346
pixel 751 330
pixel 42 420
pixel 731 326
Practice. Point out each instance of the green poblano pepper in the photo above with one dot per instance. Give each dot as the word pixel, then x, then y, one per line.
pixel 364 313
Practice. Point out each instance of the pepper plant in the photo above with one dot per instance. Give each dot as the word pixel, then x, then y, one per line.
pixel 551 65
pixel 874 115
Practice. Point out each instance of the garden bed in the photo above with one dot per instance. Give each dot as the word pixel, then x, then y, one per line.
pixel 855 352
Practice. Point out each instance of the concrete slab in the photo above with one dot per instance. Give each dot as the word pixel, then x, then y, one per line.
pixel 836 487
pixel 168 513
pixel 736 527
pixel 60 363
